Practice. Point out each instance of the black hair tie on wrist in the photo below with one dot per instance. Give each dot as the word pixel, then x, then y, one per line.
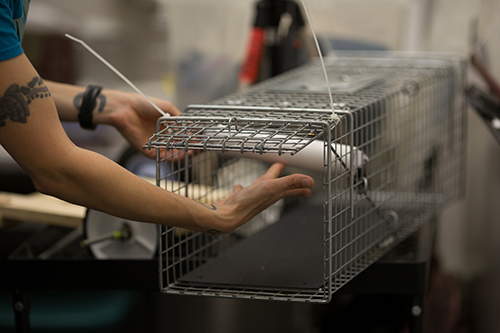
pixel 88 106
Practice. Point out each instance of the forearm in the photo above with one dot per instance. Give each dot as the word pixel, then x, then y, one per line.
pixel 63 96
pixel 68 99
pixel 88 179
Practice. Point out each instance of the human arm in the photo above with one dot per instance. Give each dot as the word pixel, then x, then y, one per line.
pixel 130 113
pixel 34 137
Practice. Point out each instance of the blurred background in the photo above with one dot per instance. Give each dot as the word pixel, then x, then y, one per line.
pixel 190 51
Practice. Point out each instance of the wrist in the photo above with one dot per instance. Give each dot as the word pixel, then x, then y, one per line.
pixel 207 219
pixel 88 105
pixel 110 102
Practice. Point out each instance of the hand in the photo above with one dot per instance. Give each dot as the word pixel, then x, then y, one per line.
pixel 136 119
pixel 245 203
pixel 130 113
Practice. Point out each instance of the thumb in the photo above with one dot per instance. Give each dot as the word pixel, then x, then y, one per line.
pixel 297 181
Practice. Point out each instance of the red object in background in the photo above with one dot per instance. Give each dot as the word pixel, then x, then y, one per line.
pixel 487 76
pixel 249 73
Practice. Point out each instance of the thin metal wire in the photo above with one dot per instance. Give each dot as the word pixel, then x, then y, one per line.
pixel 333 116
pixel 117 72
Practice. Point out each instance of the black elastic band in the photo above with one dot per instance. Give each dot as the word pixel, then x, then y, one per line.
pixel 88 106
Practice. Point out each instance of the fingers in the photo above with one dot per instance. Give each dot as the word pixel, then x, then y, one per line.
pixel 165 106
pixel 245 203
pixel 295 184
pixel 269 185
pixel 148 153
pixel 170 108
pixel 274 171
pixel 173 111
pixel 301 192
pixel 271 190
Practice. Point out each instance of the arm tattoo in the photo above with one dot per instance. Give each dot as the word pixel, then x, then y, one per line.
pixel 213 232
pixel 209 206
pixel 77 101
pixel 14 102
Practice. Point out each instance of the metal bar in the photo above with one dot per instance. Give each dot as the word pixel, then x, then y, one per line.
pixel 263 108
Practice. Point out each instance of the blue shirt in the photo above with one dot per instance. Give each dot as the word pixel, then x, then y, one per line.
pixel 12 20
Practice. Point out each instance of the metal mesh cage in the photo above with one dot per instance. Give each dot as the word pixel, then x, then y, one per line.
pixel 387 159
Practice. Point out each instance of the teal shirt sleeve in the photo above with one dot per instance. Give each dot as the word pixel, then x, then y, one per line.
pixel 10 41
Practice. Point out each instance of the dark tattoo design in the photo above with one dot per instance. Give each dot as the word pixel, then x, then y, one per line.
pixel 213 232
pixel 77 102
pixel 14 102
pixel 209 206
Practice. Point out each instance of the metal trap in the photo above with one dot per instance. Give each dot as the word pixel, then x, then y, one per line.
pixel 388 158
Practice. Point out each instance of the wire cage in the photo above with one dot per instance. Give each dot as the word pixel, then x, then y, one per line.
pixel 388 157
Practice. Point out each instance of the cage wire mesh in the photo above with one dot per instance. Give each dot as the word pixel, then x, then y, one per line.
pixel 392 154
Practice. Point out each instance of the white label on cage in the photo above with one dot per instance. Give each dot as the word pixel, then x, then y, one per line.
pixel 312 157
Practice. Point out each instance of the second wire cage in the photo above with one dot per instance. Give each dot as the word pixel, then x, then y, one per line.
pixel 386 160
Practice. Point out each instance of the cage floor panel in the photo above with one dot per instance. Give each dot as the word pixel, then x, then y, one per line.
pixel 288 254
